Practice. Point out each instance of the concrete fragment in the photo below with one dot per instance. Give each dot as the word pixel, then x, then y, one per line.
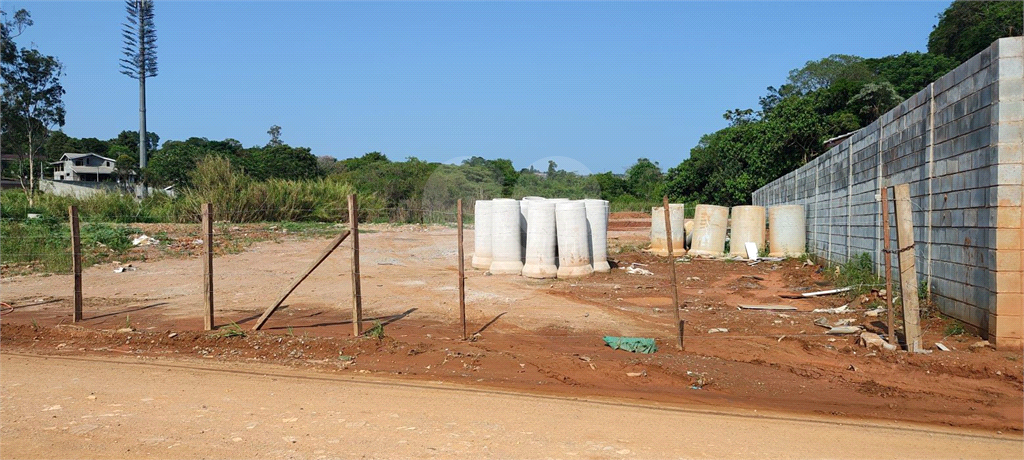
pixel 872 340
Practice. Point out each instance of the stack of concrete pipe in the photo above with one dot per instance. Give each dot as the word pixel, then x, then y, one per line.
pixel 541 238
pixel 706 233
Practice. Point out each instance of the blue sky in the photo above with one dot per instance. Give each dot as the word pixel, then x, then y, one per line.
pixel 597 84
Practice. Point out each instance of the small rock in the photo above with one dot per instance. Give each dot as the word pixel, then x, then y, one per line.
pixel 717 329
pixel 616 287
pixel 882 293
pixel 125 330
pixel 642 373
pixel 980 344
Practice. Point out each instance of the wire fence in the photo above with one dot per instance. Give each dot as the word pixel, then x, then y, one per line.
pixel 44 245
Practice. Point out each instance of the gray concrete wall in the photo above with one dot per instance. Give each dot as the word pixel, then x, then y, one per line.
pixel 958 144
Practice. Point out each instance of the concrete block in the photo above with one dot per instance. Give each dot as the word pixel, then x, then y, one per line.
pixel 1009 282
pixel 1011 152
pixel 1009 217
pixel 1011 68
pixel 1007 90
pixel 1010 174
pixel 1009 260
pixel 1008 331
pixel 1009 47
pixel 1011 304
pixel 1009 239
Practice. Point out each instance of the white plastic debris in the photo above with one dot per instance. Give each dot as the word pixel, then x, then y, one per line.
pixel 717 330
pixel 144 240
pixel 836 310
pixel 639 271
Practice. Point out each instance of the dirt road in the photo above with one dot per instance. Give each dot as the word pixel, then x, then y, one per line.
pixel 132 408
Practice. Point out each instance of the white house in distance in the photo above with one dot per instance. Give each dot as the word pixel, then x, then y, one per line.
pixel 84 167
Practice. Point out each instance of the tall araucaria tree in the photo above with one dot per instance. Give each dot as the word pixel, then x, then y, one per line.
pixel 140 59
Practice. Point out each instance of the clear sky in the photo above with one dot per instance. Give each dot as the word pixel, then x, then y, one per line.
pixel 599 83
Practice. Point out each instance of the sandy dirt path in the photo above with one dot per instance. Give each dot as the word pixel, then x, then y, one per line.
pixel 89 408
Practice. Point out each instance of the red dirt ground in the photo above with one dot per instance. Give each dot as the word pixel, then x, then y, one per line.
pixel 529 335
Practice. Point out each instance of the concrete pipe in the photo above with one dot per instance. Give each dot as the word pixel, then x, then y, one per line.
pixel 659 240
pixel 506 245
pixel 571 231
pixel 677 214
pixel 747 227
pixel 540 242
pixel 482 234
pixel 597 231
pixel 787 230
pixel 709 227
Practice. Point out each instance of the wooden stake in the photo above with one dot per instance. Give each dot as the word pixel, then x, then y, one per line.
pixel 887 253
pixel 316 263
pixel 207 230
pixel 908 271
pixel 357 301
pixel 462 277
pixel 76 261
pixel 672 263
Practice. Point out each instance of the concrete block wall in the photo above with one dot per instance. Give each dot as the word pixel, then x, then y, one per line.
pixel 958 144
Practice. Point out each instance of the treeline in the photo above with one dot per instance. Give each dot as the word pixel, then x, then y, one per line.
pixel 827 98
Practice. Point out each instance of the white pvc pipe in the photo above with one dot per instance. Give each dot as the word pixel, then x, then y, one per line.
pixel 540 241
pixel 482 235
pixel 571 230
pixel 506 245
pixel 597 230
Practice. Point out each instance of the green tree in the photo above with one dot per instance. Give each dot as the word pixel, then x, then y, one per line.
pixel 130 139
pixel 32 101
pixel 59 143
pixel 823 72
pixel 966 28
pixel 644 179
pixel 140 60
pixel 281 162
pixel 173 163
pixel 911 72
pixel 874 99
pixel 275 136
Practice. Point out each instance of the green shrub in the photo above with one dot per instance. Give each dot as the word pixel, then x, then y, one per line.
pixel 858 272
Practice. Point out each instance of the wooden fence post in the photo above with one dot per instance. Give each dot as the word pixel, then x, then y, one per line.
pixel 908 270
pixel 357 302
pixel 462 277
pixel 207 231
pixel 76 261
pixel 672 264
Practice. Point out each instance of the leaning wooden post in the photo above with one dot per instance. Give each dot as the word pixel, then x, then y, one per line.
pixel 207 231
pixel 357 302
pixel 672 263
pixel 462 277
pixel 76 261
pixel 887 252
pixel 908 270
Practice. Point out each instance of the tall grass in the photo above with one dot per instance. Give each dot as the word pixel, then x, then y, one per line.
pixel 239 198
pixel 235 196
pixel 45 242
